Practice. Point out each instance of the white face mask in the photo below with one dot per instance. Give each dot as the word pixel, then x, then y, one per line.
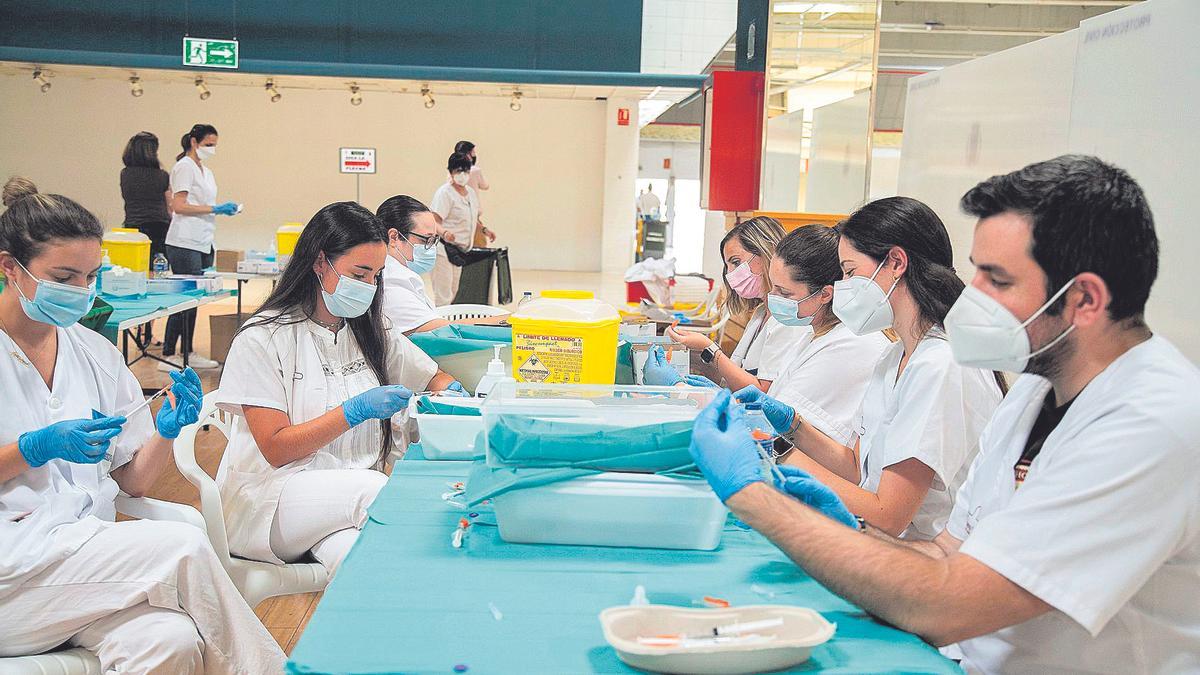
pixel 462 178
pixel 983 334
pixel 205 151
pixel 862 305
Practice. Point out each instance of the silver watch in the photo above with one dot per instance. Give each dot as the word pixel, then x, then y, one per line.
pixel 710 353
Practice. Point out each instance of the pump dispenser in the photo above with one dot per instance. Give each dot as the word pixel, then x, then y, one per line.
pixel 497 372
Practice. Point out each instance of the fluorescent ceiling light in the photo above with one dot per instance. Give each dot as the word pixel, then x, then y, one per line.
pixel 820 7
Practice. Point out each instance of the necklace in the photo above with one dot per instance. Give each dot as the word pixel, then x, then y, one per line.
pixel 332 327
pixel 15 353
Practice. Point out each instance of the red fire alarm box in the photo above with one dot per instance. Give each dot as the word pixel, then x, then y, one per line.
pixel 732 136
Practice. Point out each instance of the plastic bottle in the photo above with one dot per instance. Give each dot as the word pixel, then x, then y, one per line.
pixel 764 436
pixel 105 265
pixel 496 373
pixel 159 267
pixel 525 297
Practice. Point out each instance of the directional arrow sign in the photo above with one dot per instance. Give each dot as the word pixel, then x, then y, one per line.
pixel 210 53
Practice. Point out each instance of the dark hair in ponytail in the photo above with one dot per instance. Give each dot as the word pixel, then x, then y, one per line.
pixel 33 219
pixel 809 255
pixel 911 225
pixel 198 133
pixel 397 213
pixel 335 229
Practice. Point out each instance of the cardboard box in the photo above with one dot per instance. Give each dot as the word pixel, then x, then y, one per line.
pixel 678 355
pixel 223 327
pixel 246 267
pixel 226 260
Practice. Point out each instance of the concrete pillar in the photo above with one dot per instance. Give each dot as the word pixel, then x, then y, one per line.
pixel 619 220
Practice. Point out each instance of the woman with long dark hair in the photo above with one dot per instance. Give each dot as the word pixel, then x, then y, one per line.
pixel 146 189
pixel 316 375
pixel 922 413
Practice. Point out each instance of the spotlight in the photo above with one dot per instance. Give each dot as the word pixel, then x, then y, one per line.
pixel 135 86
pixel 425 94
pixel 204 92
pixel 38 76
pixel 355 97
pixel 515 103
pixel 275 95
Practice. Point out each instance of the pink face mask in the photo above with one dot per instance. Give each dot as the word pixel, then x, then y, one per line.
pixel 745 282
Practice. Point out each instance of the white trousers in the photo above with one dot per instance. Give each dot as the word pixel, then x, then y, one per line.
pixel 445 280
pixel 144 597
pixel 321 511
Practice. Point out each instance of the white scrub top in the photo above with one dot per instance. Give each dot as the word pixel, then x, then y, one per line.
pixel 764 346
pixel 404 298
pixel 826 378
pixel 934 413
pixel 1105 528
pixel 48 512
pixel 477 181
pixel 194 232
pixel 305 371
pixel 459 214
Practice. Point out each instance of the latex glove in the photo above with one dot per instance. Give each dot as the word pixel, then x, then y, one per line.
pixel 379 403
pixel 779 414
pixel 801 485
pixel 455 388
pixel 723 449
pixel 696 342
pixel 77 441
pixel 226 209
pixel 658 372
pixel 189 399
pixel 700 381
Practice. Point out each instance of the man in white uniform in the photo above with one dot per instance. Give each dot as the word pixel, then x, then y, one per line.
pixel 649 203
pixel 1074 544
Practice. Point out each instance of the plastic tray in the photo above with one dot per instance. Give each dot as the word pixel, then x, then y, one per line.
pixel 802 630
pixel 450 437
pixel 614 509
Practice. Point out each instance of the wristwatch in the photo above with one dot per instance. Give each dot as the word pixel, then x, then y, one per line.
pixel 710 353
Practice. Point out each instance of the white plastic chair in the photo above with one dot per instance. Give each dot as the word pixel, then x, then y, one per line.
pixel 460 312
pixel 78 661
pixel 256 580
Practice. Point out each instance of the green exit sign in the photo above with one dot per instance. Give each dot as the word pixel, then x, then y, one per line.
pixel 210 53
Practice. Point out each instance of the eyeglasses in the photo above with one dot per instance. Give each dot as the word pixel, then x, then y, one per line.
pixel 427 240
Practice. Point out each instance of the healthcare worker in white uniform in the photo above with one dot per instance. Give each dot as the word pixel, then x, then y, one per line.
pixel 922 412
pixel 456 207
pixel 315 376
pixel 1075 542
pixel 412 251
pixel 143 596
pixel 189 243
pixel 747 251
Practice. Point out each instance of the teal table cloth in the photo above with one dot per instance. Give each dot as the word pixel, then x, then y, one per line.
pixel 406 601
pixel 128 308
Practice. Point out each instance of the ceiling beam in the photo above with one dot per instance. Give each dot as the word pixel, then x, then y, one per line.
pixel 1045 3
pixel 933 29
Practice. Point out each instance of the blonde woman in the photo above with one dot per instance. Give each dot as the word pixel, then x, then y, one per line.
pixel 760 355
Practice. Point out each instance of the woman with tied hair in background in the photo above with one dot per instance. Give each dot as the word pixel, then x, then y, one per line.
pixel 143 595
pixel 316 375
pixel 146 190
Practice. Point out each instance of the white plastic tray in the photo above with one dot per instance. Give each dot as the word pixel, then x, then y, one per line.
pixel 614 509
pixel 802 630
pixel 450 437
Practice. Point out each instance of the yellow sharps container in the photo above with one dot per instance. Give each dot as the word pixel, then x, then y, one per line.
pixel 565 337
pixel 128 248
pixel 285 241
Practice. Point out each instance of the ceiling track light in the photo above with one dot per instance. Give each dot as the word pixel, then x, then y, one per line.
pixel 355 96
pixel 515 103
pixel 428 96
pixel 200 87
pixel 39 76
pixel 135 86
pixel 275 95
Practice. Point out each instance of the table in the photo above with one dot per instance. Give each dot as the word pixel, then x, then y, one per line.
pixel 406 601
pixel 131 313
pixel 243 277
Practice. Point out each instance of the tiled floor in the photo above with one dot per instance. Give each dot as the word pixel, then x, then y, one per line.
pixel 286 616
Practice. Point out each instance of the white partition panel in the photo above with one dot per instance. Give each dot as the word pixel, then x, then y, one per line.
pixel 1136 104
pixel 837 174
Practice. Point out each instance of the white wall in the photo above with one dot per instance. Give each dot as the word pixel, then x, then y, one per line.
pixel 619 189
pixel 545 163
pixel 837 174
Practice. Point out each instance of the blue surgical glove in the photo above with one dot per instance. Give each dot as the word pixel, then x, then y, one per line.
pixel 801 485
pixel 189 399
pixel 723 449
pixel 658 372
pixel 77 441
pixel 456 386
pixel 701 381
pixel 226 209
pixel 379 403
pixel 779 414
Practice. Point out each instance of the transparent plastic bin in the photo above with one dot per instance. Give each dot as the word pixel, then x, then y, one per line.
pixel 614 509
pixel 450 437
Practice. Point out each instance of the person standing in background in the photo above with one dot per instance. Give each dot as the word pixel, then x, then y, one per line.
pixel 483 236
pixel 456 207
pixel 146 189
pixel 189 243
pixel 649 203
